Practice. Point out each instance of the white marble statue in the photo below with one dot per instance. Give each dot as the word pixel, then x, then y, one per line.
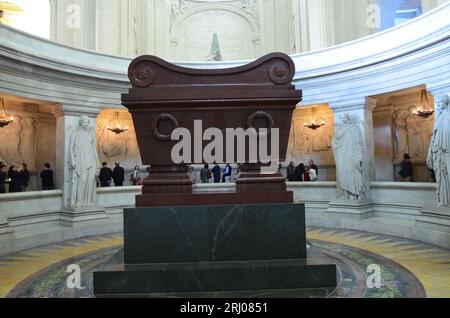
pixel 439 152
pixel 348 148
pixel 84 166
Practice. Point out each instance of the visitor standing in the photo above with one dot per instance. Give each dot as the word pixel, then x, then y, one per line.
pixel 312 165
pixel 298 173
pixel 24 177
pixel 105 176
pixel 238 172
pixel 312 174
pixel 216 171
pixel 14 180
pixel 47 178
pixel 3 177
pixel 135 178
pixel 290 171
pixel 205 174
pixel 118 175
pixel 306 177
pixel 406 170
pixel 227 173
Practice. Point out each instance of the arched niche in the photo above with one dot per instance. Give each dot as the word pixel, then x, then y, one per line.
pixel 192 31
pixel 313 144
pixel 398 131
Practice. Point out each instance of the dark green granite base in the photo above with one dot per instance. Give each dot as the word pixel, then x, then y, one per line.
pixel 214 277
pixel 214 233
pixel 214 248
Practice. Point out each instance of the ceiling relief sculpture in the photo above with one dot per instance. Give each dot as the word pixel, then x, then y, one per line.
pixel 180 7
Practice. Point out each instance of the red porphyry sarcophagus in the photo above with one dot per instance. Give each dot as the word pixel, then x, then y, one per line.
pixel 165 96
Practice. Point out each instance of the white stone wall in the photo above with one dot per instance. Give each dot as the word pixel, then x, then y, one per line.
pixel 30 138
pixel 247 29
pixel 34 219
pixel 306 144
pixel 397 131
pixel 348 78
pixel 192 35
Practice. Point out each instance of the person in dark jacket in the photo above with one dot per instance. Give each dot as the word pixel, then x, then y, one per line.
pixel 406 170
pixel 3 177
pixel 47 178
pixel 290 171
pixel 312 165
pixel 216 171
pixel 205 174
pixel 298 173
pixel 227 173
pixel 118 175
pixel 24 177
pixel 105 176
pixel 14 176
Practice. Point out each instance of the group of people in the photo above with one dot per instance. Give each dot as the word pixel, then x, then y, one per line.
pixel 117 175
pixel 302 172
pixel 107 175
pixel 18 178
pixel 216 173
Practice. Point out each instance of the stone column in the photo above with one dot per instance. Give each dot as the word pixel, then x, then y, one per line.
pixel 363 109
pixel 321 23
pixel 107 26
pixel 73 23
pixel 67 120
pixel 432 216
pixel 301 25
pixel 428 5
pixel 277 28
pixel 352 20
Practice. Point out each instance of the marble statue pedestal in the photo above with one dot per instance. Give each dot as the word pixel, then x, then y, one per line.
pixel 5 231
pixel 214 248
pixel 432 216
pixel 73 217
pixel 361 209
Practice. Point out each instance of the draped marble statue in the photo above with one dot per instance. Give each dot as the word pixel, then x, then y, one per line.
pixel 439 152
pixel 84 166
pixel 348 148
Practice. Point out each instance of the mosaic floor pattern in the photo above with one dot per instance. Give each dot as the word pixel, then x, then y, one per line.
pixel 408 268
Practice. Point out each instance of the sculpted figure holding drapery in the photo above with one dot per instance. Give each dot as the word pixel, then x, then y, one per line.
pixel 84 166
pixel 348 148
pixel 439 152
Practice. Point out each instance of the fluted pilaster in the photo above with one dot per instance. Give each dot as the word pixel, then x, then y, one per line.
pixel 321 22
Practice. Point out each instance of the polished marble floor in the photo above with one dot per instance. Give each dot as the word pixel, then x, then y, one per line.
pixel 409 268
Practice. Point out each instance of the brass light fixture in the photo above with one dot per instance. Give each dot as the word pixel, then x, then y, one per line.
pixel 117 126
pixel 424 110
pixel 314 124
pixel 5 119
